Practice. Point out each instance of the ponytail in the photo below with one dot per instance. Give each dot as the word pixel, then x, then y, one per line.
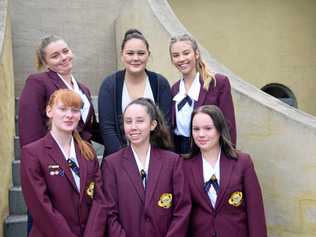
pixel 38 60
pixel 206 75
pixel 84 147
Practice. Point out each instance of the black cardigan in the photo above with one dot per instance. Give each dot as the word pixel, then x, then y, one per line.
pixel 110 107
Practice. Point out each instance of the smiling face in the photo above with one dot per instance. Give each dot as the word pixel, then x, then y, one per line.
pixel 58 57
pixel 204 133
pixel 184 58
pixel 134 56
pixel 63 118
pixel 138 125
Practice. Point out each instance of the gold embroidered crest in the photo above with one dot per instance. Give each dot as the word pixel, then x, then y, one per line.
pixel 90 190
pixel 235 199
pixel 165 200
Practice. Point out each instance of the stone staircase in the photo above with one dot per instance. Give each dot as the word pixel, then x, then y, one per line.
pixel 15 223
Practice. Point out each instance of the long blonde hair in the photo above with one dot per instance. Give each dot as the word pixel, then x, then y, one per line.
pixel 206 74
pixel 70 98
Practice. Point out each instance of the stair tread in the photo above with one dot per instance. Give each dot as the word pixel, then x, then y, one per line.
pixel 16 218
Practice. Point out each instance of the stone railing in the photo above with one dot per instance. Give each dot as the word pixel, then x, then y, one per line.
pixel 281 139
pixel 6 110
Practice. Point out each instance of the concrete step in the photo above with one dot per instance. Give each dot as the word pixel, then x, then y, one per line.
pixel 15 226
pixel 16 201
pixel 16 173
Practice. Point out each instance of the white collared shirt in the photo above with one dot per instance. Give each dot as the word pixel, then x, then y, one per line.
pixel 86 103
pixel 208 171
pixel 139 163
pixel 72 156
pixel 126 99
pixel 183 116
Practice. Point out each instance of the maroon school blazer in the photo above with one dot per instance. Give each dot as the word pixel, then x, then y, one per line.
pixel 51 195
pixel 134 212
pixel 32 108
pixel 218 94
pixel 232 216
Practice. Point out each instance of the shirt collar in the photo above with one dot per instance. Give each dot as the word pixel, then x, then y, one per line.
pixel 139 164
pixel 73 81
pixel 208 170
pixel 193 92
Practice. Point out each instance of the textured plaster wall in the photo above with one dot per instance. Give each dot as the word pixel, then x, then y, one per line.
pixel 271 41
pixel 280 139
pixel 6 111
pixel 87 26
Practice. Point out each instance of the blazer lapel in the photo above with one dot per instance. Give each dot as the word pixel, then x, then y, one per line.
pixel 56 79
pixel 155 165
pixel 226 170
pixel 82 170
pixel 131 169
pixel 174 91
pixel 197 173
pixel 56 154
pixel 202 95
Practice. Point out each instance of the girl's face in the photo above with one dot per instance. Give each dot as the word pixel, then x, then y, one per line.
pixel 184 58
pixel 63 118
pixel 138 125
pixel 58 57
pixel 204 133
pixel 135 56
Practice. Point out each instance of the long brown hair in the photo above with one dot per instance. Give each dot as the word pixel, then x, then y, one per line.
pixel 206 74
pixel 72 99
pixel 160 136
pixel 40 51
pixel 222 128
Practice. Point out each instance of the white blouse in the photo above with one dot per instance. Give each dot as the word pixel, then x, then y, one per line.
pixel 126 99
pixel 183 117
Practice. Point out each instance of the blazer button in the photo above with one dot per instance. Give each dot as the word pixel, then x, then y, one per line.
pixel 147 219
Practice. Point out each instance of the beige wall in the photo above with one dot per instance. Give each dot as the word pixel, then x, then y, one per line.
pixel 271 41
pixel 280 139
pixel 6 111
pixel 87 26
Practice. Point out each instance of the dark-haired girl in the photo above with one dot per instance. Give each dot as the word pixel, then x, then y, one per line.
pixel 60 177
pixel 225 192
pixel 133 82
pixel 144 184
pixel 198 86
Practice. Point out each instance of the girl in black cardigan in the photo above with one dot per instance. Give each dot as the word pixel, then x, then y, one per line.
pixel 120 88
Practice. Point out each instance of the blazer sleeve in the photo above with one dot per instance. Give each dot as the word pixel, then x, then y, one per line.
pixel 165 100
pixel 32 117
pixel 182 207
pixel 114 227
pixel 107 121
pixel 254 203
pixel 225 103
pixel 49 221
pixel 97 216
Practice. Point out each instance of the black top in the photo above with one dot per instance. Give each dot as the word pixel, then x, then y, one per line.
pixel 110 107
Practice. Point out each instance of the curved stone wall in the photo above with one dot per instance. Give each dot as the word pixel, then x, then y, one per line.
pixel 6 110
pixel 280 139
